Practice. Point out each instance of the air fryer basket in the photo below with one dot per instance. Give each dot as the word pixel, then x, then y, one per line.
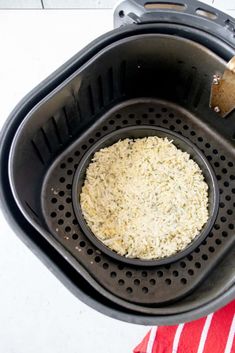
pixel 156 74
pixel 160 64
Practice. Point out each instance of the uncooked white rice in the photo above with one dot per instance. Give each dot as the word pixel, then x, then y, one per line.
pixel 144 198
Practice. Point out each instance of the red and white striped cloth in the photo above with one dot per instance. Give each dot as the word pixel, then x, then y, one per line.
pixel 211 334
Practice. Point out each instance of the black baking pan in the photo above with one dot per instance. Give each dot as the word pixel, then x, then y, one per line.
pixel 180 142
pixel 54 126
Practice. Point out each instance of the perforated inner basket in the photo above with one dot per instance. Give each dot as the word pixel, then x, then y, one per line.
pixel 108 93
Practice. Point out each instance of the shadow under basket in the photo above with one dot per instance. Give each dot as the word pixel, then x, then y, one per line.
pixel 151 80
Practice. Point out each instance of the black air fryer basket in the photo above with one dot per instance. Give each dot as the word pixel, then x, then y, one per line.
pixel 151 75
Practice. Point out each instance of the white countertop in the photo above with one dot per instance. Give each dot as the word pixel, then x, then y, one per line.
pixel 37 313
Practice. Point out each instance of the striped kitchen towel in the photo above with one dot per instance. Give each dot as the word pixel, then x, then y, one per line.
pixel 211 334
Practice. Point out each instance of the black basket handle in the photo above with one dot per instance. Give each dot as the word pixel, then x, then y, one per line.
pixel 187 12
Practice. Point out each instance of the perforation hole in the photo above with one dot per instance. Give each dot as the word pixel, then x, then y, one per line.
pixel 113 274
pixel 158 115
pixel 118 116
pixel 218 241
pixel 68 186
pixel 120 267
pixel 136 282
pixel 228 197
pixel 229 212
pixel 172 127
pixel 105 266
pixel 217 226
pixel 129 290
pixel 97 259
pixel 222 158
pixel 151 121
pixel 216 164
pixel 53 200
pixel 215 151
pixel 62 179
pixel 67 229
pixel 104 128
pixel 211 249
pixel 223 219
pixel 152 281
pixel 121 282
pixel 221 205
pixel 224 171
pixel 204 257
pixel 53 214
pixel 82 244
pixel 144 274
pixel 182 264
pixel 232 177
pixel 197 250
pixel 230 164
pixel 111 122
pixel 175 273
pixel 207 145
pixel 98 134
pixel 75 222
pixel 178 121
pixel 231 226
pixel 63 165
pixel 60 221
pixel 125 122
pixel 171 115
pixel 77 153
pixel 159 273
pixel 200 139
pixel 165 121
pixel 68 200
pixel 91 140
pixel 67 214
pixel 192 133
pixel 145 290
pixel 190 257
pixel 151 110
pixel 75 236
pixel 190 272
pixel 168 281
pixel 131 116
pixel 138 122
pixel 144 116
pixel 128 274
pixel 164 110
pixel 198 265
pixel 224 234
pixel 183 280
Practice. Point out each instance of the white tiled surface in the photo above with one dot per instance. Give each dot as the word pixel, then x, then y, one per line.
pixel 79 3
pixel 20 4
pixel 37 314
